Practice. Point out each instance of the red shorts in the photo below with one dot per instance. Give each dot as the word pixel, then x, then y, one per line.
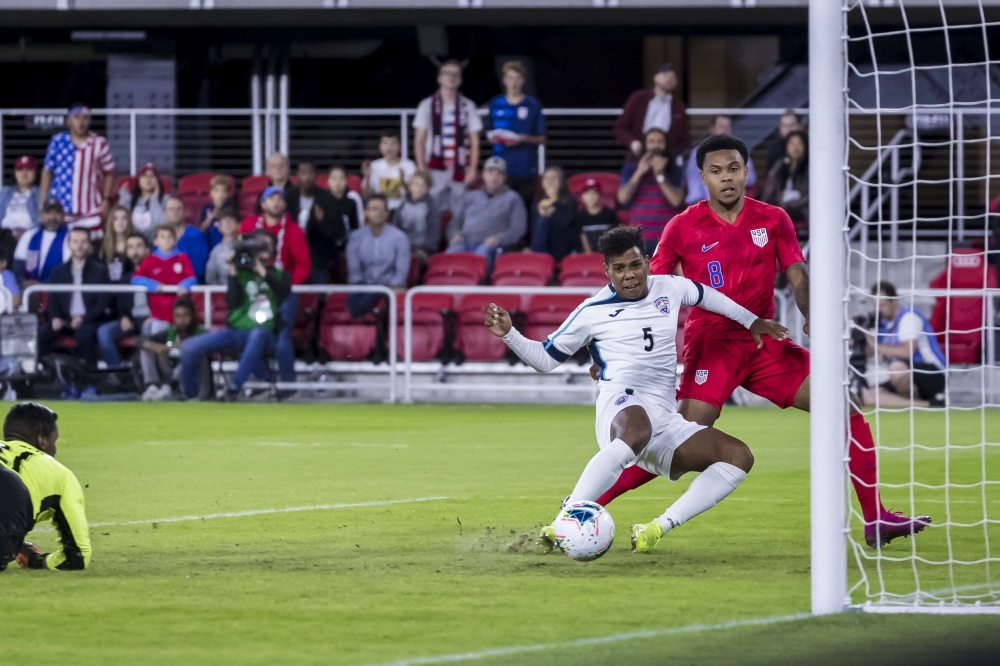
pixel 713 368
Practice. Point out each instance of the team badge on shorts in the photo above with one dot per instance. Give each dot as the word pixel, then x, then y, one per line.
pixel 759 237
pixel 621 401
pixel 662 304
pixel 700 376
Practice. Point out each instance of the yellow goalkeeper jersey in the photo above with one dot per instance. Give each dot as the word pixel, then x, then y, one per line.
pixel 56 496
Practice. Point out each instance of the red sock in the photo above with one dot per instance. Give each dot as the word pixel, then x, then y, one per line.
pixel 630 479
pixel 863 466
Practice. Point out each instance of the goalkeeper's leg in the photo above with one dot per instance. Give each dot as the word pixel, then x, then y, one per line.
pixel 15 515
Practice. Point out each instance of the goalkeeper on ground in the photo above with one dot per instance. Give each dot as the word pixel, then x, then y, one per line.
pixel 33 488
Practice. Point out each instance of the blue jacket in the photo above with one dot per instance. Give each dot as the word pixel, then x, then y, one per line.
pixel 192 243
pixel 7 192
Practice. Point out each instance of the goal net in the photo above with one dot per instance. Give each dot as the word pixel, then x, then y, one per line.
pixel 922 138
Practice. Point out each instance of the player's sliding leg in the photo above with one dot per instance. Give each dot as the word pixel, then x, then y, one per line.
pixel 722 462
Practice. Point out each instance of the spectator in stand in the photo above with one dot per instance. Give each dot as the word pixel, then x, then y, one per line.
pixel 165 267
pixel 76 313
pixel 654 108
pixel 219 189
pixel 145 199
pixel 255 296
pixel 653 187
pixel 19 203
pixel 377 253
pixel 595 218
pixel 9 281
pixel 517 128
pixel 43 248
pixel 390 174
pixel 328 239
pixel 419 218
pixel 228 225
pixel 190 240
pixel 788 181
pixel 696 189
pixel 788 122
pixel 321 218
pixel 113 250
pixel 159 353
pixel 491 218
pixel 131 308
pixel 278 173
pixel 446 141
pixel 80 173
pixel 290 254
pixel 554 230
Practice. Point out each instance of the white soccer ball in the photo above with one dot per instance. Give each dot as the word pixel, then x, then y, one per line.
pixel 584 531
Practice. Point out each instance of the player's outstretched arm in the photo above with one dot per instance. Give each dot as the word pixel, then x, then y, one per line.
pixel 530 351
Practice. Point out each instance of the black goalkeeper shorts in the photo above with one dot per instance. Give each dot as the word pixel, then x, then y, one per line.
pixel 15 515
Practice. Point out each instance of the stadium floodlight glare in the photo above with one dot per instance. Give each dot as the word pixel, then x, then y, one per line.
pixel 875 120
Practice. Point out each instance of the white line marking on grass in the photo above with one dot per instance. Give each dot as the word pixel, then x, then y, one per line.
pixel 364 445
pixel 263 512
pixel 602 640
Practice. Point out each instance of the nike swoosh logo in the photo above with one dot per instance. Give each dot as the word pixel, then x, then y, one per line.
pixel 706 248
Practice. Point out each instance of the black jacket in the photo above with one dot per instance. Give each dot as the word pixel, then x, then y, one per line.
pixel 328 237
pixel 96 304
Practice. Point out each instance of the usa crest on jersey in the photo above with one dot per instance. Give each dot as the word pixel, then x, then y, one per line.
pixel 700 376
pixel 759 237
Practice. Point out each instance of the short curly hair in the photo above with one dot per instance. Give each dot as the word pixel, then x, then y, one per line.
pixel 720 142
pixel 618 240
pixel 26 421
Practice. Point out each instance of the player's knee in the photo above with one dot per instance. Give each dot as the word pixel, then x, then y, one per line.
pixel 739 455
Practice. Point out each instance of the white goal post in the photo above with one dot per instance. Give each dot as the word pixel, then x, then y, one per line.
pixel 901 161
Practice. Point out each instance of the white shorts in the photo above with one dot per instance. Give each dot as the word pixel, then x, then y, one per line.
pixel 670 429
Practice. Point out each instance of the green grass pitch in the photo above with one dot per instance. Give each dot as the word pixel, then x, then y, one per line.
pixel 387 583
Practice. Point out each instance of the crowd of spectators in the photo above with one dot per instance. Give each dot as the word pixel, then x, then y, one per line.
pixel 74 229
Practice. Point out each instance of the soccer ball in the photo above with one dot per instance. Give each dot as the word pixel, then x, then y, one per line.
pixel 584 531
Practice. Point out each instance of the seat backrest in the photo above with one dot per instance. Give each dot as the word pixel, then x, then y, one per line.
pixel 966 269
pixel 467 267
pixel 198 182
pixel 354 183
pixel 582 265
pixel 250 190
pixel 435 302
pixel 524 263
pixel 608 181
pixel 551 309
pixel 477 303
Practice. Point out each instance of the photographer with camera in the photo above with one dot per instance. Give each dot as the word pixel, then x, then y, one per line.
pixel 254 295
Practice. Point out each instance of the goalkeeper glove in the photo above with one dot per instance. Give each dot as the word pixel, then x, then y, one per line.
pixel 30 556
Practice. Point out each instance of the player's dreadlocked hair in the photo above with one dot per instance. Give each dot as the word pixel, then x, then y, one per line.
pixel 619 240
pixel 720 142
pixel 26 421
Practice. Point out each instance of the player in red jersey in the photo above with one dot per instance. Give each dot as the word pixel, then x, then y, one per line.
pixel 736 244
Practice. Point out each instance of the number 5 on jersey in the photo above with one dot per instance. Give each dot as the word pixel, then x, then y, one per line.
pixel 715 274
pixel 647 335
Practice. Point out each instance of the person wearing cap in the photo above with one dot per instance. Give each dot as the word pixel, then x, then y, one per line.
pixel 657 107
pixel 79 172
pixel 19 203
pixel 43 248
pixel 190 240
pixel 491 218
pixel 696 189
pixel 594 218
pixel 552 229
pixel 145 199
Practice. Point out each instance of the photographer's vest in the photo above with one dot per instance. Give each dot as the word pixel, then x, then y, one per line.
pixel 260 307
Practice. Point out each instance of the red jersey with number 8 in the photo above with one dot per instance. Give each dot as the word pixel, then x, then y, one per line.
pixel 740 260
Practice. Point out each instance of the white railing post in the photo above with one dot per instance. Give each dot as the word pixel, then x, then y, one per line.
pixel 408 346
pixel 283 115
pixel 404 135
pixel 541 158
pixel 133 145
pixel 269 116
pixel 258 148
pixel 827 197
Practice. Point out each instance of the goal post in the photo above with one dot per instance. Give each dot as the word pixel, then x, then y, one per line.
pixel 827 292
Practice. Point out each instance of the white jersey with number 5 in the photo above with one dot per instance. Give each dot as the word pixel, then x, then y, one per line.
pixel 632 341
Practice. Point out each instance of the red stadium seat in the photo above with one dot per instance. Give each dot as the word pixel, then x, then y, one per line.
pixel 344 338
pixel 523 269
pixel 250 190
pixel 195 191
pixel 304 327
pixel 583 270
pixel 354 183
pixel 609 186
pixel 472 338
pixel 962 316
pixel 219 309
pixel 545 312
pixel 459 268
pixel 428 325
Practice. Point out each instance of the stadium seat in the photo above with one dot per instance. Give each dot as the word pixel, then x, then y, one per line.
pixel 459 268
pixel 342 337
pixel 354 183
pixel 523 269
pixel 545 312
pixel 962 316
pixel 472 339
pixel 219 309
pixel 583 270
pixel 128 182
pixel 195 191
pixel 304 328
pixel 624 216
pixel 250 190
pixel 609 186
pixel 428 325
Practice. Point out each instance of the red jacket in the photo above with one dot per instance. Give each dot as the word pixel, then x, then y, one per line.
pixel 292 250
pixel 158 268
pixel 628 127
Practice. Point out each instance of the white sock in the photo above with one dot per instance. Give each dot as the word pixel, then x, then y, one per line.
pixel 711 487
pixel 602 471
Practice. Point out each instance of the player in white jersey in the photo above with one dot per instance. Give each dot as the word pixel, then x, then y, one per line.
pixel 629 329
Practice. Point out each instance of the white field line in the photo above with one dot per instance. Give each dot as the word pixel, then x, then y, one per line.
pixel 602 640
pixel 263 512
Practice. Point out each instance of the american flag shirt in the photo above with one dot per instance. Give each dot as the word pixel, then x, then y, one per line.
pixel 78 173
